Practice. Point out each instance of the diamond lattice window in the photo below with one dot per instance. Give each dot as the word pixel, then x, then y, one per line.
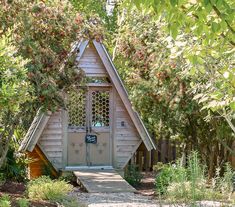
pixel 100 108
pixel 76 108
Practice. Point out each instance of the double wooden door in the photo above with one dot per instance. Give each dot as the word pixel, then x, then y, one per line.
pixel 89 131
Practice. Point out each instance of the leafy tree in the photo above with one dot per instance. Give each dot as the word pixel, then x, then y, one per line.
pixel 206 19
pixel 156 72
pixel 43 32
pixel 14 91
pixel 208 28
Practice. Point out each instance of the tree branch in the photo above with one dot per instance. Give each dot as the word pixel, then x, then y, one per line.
pixel 229 122
pixel 217 11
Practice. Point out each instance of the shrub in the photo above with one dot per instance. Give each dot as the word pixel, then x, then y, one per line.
pixel 169 173
pixel 43 188
pixel 164 178
pixel 133 176
pixel 14 167
pixel 23 202
pixel 5 201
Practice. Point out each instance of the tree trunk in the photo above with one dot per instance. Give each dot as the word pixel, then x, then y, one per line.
pixel 5 146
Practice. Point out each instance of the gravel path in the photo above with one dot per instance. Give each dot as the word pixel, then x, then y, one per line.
pixel 114 200
pixel 129 200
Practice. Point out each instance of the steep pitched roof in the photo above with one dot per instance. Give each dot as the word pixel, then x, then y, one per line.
pixel 34 132
pixel 40 120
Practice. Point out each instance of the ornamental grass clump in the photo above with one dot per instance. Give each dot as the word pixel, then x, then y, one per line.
pixel 191 186
pixel 43 188
pixel 190 183
pixel 5 201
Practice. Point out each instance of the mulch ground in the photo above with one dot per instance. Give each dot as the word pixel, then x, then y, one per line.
pixel 146 186
pixel 17 191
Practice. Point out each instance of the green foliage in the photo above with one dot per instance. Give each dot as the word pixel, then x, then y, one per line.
pixel 43 32
pixel 189 184
pixel 69 201
pixel 23 202
pixel 164 75
pixel 169 173
pixel 224 184
pixel 203 32
pixel 5 201
pixel 14 91
pixel 132 175
pixel 47 170
pixel 43 188
pixel 205 19
pixel 2 178
pixel 164 178
pixel 68 177
pixel 91 8
pixel 15 166
pixel 196 175
pixel 13 83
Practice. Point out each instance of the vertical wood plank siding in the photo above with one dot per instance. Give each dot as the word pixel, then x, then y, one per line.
pixel 51 140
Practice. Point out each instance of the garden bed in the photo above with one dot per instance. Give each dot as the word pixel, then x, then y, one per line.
pixel 17 191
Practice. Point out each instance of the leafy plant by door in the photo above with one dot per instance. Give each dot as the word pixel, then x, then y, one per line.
pixel 132 175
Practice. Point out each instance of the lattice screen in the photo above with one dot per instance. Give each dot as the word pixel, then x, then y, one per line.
pixel 76 108
pixel 100 108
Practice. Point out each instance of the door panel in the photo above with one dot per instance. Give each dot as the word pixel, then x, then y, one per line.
pixel 99 119
pixel 100 152
pixel 76 149
pixel 89 114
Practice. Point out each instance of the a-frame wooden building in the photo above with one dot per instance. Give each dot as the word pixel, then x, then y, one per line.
pixel 99 129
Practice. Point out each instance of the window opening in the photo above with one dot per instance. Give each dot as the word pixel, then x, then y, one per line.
pixel 100 108
pixel 76 108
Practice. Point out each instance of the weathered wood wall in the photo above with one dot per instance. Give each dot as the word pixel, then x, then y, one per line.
pixel 51 140
pixel 126 137
pixel 91 63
